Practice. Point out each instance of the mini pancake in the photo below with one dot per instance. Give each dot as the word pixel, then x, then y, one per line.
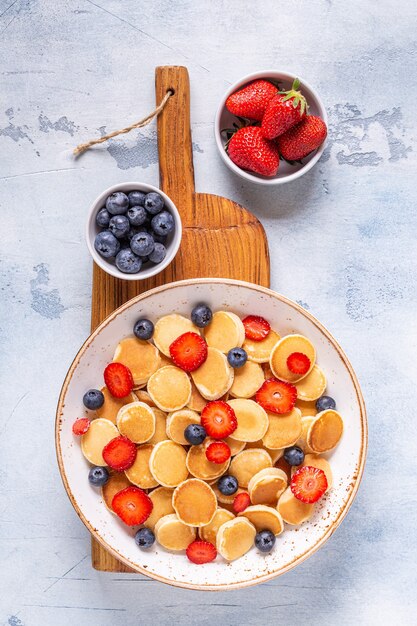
pixel 248 463
pixel 260 351
pixel 116 482
pixel 169 388
pixel 160 433
pixel 209 532
pixel 140 474
pixel 162 505
pixel 318 461
pixel 111 405
pixel 215 377
pixel 194 502
pixel 293 511
pixel 225 331
pixel 282 350
pixel 283 430
pixel 100 432
pixel 141 357
pixel 143 396
pixel 196 402
pixel 325 431
pixel 301 442
pixel 264 518
pixel 235 446
pixel 247 380
pixel 235 538
pixel 200 467
pixel 306 407
pixel 252 420
pixel 178 421
pixel 312 386
pixel 266 486
pixel 227 500
pixel 169 328
pixel 136 421
pixel 274 454
pixel 173 534
pixel 167 463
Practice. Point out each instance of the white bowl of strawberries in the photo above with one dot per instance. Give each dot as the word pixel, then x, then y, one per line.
pixel 271 127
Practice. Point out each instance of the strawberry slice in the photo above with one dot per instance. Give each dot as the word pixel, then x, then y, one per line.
pixel 308 484
pixel 241 502
pixel 132 505
pixel 298 363
pixel 188 351
pixel 277 396
pixel 200 552
pixel 218 419
pixel 120 453
pixel 218 452
pixel 256 327
pixel 118 379
pixel 81 426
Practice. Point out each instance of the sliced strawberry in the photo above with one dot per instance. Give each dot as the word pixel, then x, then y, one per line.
pixel 118 379
pixel 218 452
pixel 188 351
pixel 308 484
pixel 132 505
pixel 81 426
pixel 241 502
pixel 200 552
pixel 298 363
pixel 277 396
pixel 120 453
pixel 219 419
pixel 256 327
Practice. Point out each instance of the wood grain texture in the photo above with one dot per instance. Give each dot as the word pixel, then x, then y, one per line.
pixel 220 238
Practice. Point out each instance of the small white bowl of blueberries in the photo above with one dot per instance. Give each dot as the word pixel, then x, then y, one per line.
pixel 133 231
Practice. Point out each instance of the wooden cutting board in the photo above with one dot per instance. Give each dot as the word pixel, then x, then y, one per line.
pixel 220 238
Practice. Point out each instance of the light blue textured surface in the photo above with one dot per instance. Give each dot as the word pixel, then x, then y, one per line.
pixel 342 242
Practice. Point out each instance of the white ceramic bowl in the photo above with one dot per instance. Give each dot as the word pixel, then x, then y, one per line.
pixel 149 269
pixel 286 171
pixel 296 543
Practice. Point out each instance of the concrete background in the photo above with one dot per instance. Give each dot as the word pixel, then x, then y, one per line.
pixel 342 243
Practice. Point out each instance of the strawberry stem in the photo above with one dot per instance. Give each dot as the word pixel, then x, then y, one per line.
pixel 296 95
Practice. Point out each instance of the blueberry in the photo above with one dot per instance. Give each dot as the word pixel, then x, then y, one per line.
pixel 163 223
pixel 237 357
pixel 324 403
pixel 294 455
pixel 265 540
pixel 201 315
pixel 227 485
pixel 98 476
pixel 145 538
pixel 117 203
pixel 137 215
pixel 158 238
pixel 93 399
pixel 154 203
pixel 195 434
pixel 119 226
pixel 136 198
pixel 106 244
pixel 103 218
pixel 158 254
pixel 134 230
pixel 127 262
pixel 142 244
pixel 143 329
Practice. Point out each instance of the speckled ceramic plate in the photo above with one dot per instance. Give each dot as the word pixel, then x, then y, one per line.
pixel 296 543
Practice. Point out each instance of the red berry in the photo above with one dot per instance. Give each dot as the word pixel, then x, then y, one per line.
pixel 118 379
pixel 298 363
pixel 81 426
pixel 201 552
pixel 283 465
pixel 251 100
pixel 132 505
pixel 277 396
pixel 249 149
pixel 284 110
pixel 120 453
pixel 308 484
pixel 302 139
pixel 218 452
pixel 241 502
pixel 218 419
pixel 256 327
pixel 188 351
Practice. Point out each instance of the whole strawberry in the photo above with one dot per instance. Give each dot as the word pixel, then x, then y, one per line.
pixel 252 100
pixel 302 139
pixel 249 149
pixel 284 110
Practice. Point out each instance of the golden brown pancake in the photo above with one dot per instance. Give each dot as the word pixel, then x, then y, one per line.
pixel 140 474
pixel 260 351
pixel 136 421
pixel 283 349
pixel 111 405
pixel 141 357
pixel 247 380
pixel 215 377
pixel 312 386
pixel 167 463
pixel 283 430
pixel 235 538
pixel 162 505
pixel 248 463
pixel 264 518
pixel 209 532
pixel 169 328
pixel 225 331
pixel 116 482
pixel 293 511
pixel 173 534
pixel 194 502
pixel 200 467
pixel 178 421
pixel 267 485
pixel 325 431
pixel 100 432
pixel 170 388
pixel 252 420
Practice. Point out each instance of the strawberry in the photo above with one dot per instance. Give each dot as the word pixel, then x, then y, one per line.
pixel 241 502
pixel 298 363
pixel 302 139
pixel 81 426
pixel 251 100
pixel 132 505
pixel 119 453
pixel 188 351
pixel 284 110
pixel 218 419
pixel 256 327
pixel 277 396
pixel 308 484
pixel 118 379
pixel 218 452
pixel 200 552
pixel 249 150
